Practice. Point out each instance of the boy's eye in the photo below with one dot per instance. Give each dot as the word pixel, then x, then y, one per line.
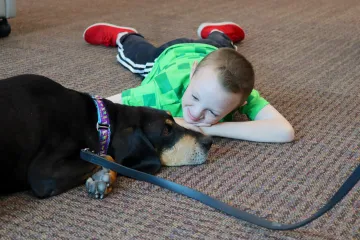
pixel 195 98
pixel 215 115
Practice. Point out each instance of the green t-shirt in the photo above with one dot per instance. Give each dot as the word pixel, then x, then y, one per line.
pixel 166 83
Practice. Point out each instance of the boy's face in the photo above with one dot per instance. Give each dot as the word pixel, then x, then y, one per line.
pixel 205 101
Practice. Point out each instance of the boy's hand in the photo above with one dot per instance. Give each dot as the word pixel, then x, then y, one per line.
pixel 187 125
pixel 202 124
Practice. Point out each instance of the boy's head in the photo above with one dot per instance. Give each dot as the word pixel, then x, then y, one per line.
pixel 220 83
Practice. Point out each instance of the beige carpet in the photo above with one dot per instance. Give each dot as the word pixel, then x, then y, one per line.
pixel 307 60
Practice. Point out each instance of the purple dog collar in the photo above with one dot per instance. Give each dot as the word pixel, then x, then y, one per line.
pixel 103 124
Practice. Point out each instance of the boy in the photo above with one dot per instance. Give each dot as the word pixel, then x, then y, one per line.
pixel 201 82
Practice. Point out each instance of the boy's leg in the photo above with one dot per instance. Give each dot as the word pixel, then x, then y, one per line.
pixel 216 39
pixel 222 34
pixel 135 53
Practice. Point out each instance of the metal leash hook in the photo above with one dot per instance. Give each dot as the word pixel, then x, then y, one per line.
pixel 94 158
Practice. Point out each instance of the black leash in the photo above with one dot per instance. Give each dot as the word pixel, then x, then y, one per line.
pixel 87 155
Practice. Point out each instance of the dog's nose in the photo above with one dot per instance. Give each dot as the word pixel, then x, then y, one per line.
pixel 207 142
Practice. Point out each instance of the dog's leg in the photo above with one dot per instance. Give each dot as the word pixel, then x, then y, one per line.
pixel 51 176
pixel 100 184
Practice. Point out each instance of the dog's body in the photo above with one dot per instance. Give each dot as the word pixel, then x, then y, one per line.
pixel 45 125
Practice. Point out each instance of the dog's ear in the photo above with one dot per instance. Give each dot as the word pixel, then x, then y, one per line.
pixel 132 149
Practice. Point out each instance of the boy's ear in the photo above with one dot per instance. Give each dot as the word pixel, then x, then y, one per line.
pixel 240 105
pixel 193 67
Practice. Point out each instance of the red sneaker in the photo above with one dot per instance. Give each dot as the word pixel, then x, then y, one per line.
pixel 104 33
pixel 232 30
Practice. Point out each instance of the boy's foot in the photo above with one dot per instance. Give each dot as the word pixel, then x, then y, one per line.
pixel 105 33
pixel 232 30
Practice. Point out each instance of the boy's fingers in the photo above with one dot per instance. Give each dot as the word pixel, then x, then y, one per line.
pixel 203 125
pixel 192 127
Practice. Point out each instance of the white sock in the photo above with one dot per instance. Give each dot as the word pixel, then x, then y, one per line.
pixel 215 30
pixel 119 36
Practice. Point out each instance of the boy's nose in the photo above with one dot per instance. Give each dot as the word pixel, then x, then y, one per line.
pixel 198 113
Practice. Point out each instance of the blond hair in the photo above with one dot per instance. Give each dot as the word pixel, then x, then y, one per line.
pixel 234 71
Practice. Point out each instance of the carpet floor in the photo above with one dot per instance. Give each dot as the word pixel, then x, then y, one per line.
pixel 306 56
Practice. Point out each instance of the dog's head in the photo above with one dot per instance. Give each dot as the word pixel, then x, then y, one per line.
pixel 156 140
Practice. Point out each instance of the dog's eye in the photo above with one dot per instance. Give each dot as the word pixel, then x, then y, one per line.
pixel 167 130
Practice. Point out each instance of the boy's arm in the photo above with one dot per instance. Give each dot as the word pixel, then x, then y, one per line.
pixel 115 98
pixel 268 126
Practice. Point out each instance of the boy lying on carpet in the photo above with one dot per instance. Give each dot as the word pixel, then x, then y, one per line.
pixel 200 82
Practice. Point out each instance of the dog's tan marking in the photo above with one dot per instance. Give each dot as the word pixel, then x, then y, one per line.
pixel 112 175
pixel 100 183
pixel 169 122
pixel 168 112
pixel 185 152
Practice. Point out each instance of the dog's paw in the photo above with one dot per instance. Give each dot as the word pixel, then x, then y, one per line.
pixel 100 184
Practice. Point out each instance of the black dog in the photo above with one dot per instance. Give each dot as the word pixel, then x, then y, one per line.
pixel 45 125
